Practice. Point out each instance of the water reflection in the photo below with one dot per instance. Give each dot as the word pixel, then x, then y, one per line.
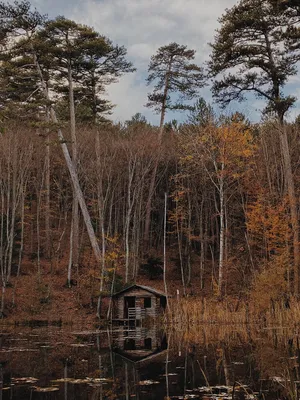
pixel 146 363
pixel 137 343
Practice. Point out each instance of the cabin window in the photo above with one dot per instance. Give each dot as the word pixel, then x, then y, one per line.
pixel 163 302
pixel 147 302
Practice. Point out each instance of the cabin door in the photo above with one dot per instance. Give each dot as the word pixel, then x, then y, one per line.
pixel 129 302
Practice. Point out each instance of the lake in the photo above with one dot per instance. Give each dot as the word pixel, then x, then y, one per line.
pixel 209 362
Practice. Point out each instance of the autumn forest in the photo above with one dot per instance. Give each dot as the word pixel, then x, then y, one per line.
pixel 205 208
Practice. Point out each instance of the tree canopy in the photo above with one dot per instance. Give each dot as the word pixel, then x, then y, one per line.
pixel 253 51
pixel 173 71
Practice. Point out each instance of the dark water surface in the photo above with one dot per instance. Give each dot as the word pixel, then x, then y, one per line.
pixel 209 363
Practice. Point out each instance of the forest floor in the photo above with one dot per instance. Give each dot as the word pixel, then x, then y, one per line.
pixel 40 295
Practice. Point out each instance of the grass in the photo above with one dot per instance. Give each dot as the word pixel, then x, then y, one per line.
pixel 189 312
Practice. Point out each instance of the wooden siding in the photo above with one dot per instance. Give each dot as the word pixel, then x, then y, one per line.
pixel 138 334
pixel 140 294
pixel 120 302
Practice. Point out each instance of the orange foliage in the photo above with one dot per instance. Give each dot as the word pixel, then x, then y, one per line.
pixel 268 225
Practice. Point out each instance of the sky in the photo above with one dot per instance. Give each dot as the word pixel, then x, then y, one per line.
pixel 142 26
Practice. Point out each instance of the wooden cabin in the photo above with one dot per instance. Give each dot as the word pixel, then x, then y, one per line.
pixel 138 343
pixel 137 302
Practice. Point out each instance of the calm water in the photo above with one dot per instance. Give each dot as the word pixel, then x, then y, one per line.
pixel 210 363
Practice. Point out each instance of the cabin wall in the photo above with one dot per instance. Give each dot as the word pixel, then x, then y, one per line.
pixel 140 294
pixel 139 335
pixel 151 312
pixel 120 308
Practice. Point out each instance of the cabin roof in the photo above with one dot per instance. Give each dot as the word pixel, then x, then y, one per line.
pixel 147 288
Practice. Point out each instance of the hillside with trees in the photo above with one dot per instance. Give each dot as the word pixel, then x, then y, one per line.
pixel 206 208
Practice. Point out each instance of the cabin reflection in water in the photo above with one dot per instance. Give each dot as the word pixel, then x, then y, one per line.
pixel 139 359
pixel 138 344
pixel 137 302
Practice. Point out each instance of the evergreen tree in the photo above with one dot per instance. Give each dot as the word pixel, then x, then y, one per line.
pixel 252 53
pixel 20 90
pixel 137 120
pixel 18 19
pixel 174 73
pixel 255 51
pixel 88 61
pixel 287 5
pixel 201 114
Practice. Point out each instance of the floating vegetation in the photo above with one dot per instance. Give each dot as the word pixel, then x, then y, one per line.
pixel 45 389
pixel 83 380
pixel 78 381
pixel 100 380
pixel 23 380
pixel 62 380
pixel 148 383
pixel 108 371
pixel 222 392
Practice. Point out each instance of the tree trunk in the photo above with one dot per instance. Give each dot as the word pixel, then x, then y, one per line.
pixel 129 207
pixel 292 203
pixel 202 246
pixel 47 210
pixel 165 246
pixel 154 172
pixel 74 255
pixel 222 233
pixel 72 171
pixel 101 208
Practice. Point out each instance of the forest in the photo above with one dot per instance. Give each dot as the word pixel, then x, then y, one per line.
pixel 205 207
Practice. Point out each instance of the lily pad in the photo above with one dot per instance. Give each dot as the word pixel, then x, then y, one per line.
pixel 24 380
pixel 46 389
pixel 148 383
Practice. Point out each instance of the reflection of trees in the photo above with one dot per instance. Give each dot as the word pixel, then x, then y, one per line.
pixel 266 360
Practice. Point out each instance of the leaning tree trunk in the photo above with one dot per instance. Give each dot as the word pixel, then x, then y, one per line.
pixel 71 169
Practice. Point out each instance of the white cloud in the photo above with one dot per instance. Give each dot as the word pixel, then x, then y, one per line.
pixel 129 97
pixel 142 26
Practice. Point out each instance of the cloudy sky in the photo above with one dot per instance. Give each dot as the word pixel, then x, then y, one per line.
pixel 142 26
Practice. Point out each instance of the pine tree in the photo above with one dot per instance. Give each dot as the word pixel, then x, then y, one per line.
pixel 201 114
pixel 254 51
pixel 173 73
pixel 177 79
pixel 87 60
pixel 252 40
pixel 19 20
